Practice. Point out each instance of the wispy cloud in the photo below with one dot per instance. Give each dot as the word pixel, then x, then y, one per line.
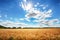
pixel 41 17
pixel 8 23
pixel 37 4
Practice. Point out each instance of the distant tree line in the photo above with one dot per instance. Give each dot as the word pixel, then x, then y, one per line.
pixel 3 27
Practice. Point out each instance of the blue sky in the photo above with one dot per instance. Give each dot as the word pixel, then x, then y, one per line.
pixel 30 13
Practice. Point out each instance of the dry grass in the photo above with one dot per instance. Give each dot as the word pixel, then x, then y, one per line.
pixel 30 34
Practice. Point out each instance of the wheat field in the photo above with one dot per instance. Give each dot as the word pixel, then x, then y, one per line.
pixel 30 34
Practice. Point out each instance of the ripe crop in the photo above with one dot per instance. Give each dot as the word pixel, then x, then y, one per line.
pixel 30 34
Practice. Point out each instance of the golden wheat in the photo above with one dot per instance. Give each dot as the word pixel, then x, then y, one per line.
pixel 30 34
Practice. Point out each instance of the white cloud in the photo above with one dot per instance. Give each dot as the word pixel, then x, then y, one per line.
pixel 50 23
pixel 43 6
pixel 24 0
pixel 56 25
pixel 32 12
pixel 27 19
pixel 53 21
pixel 21 19
pixel 37 4
pixel 8 23
pixel 26 6
pixel 40 16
